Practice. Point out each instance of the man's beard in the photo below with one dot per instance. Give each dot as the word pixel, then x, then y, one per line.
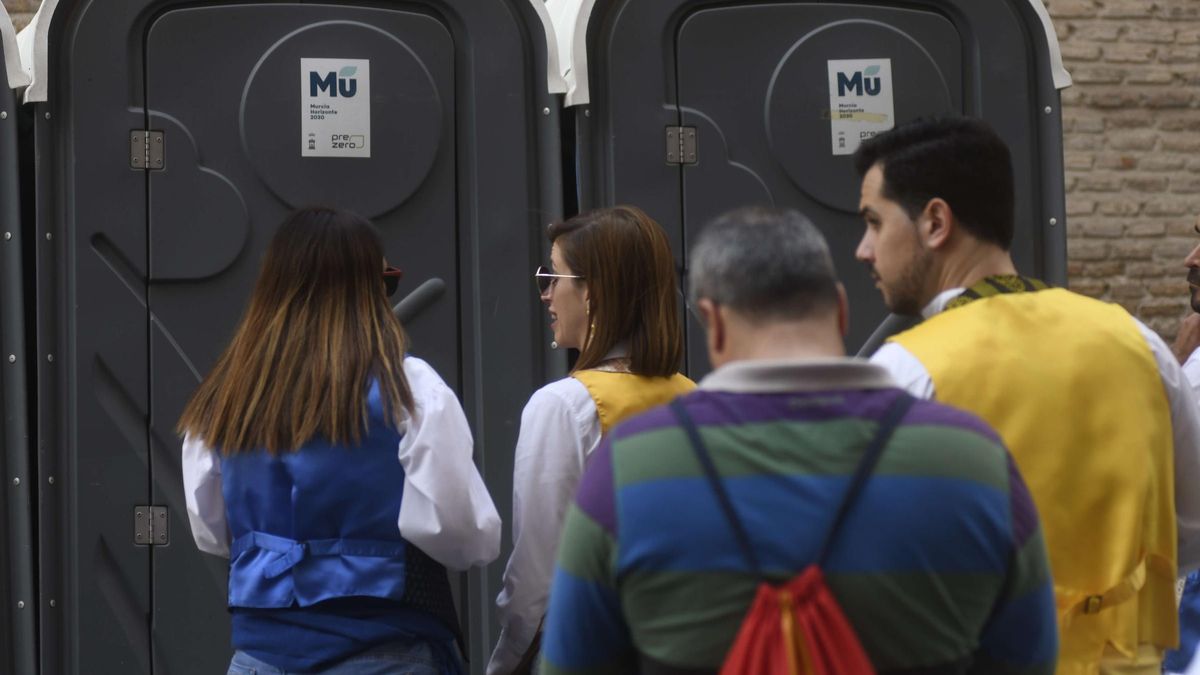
pixel 1193 278
pixel 905 295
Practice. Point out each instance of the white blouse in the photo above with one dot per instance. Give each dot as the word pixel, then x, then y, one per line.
pixel 559 430
pixel 446 510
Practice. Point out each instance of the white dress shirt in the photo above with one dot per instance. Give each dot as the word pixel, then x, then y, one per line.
pixel 446 510
pixel 1191 370
pixel 910 374
pixel 559 430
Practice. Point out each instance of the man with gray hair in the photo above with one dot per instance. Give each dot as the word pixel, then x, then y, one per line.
pixel 938 562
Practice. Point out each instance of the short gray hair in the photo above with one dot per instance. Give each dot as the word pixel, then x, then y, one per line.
pixel 764 263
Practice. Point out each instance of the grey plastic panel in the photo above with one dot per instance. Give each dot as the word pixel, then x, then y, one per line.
pixel 235 170
pixel 751 78
pixel 18 647
pixel 146 273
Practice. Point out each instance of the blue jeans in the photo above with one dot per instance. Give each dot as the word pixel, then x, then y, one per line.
pixel 397 658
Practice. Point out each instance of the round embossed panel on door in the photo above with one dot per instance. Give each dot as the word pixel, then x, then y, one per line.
pixel 405 119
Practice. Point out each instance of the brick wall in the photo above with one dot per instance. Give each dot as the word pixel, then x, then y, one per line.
pixel 21 11
pixel 1132 145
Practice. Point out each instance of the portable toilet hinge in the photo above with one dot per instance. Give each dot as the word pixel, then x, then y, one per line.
pixel 146 150
pixel 681 145
pixel 150 526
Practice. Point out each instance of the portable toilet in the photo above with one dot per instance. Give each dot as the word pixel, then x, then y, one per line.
pixel 689 109
pixel 171 138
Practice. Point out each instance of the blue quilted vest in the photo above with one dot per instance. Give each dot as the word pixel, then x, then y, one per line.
pixel 321 523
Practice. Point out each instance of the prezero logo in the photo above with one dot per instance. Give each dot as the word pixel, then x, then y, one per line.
pixel 858 82
pixel 342 83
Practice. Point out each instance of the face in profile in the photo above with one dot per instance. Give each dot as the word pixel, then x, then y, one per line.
pixel 891 249
pixel 566 300
pixel 1193 276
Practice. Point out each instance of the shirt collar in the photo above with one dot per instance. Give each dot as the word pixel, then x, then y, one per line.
pixel 939 302
pixel 773 376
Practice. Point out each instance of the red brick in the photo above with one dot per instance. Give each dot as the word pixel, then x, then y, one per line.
pixel 1099 183
pixel 1076 52
pixel 1097 75
pixel 1162 163
pixel 1117 162
pixel 1146 184
pixel 1087 287
pixel 1150 76
pixel 1077 206
pixel 1162 307
pixel 1087 250
pixel 1168 288
pixel 1179 54
pixel 1097 32
pixel 1132 250
pixel 1087 124
pixel 1071 9
pixel 1143 269
pixel 1153 33
pixel 1146 229
pixel 1123 53
pixel 1166 207
pixel 1170 99
pixel 1120 207
pixel 1127 9
pixel 1098 270
pixel 1104 230
pixel 1189 143
pixel 1127 291
pixel 1112 99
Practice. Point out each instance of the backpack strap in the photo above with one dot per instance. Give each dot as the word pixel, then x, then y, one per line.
pixel 865 467
pixel 718 488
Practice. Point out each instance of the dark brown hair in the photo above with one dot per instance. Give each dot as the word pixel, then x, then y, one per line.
pixel 317 330
pixel 626 262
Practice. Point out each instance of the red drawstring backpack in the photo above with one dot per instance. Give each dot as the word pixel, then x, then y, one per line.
pixel 797 627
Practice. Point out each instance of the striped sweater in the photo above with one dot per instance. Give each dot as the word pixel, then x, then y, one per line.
pixel 940 564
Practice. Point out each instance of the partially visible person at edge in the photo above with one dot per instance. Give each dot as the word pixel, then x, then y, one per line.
pixel 334 470
pixel 939 565
pixel 611 293
pixel 1187 350
pixel 1091 402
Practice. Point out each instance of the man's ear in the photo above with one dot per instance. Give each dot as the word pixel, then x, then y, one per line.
pixel 714 325
pixel 937 224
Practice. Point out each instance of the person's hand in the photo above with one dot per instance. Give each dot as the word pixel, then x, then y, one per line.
pixel 1188 338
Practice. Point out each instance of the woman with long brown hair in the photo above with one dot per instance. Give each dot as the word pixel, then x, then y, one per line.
pixel 333 469
pixel 611 293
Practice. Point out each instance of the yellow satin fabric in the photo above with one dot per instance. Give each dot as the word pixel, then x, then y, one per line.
pixel 1073 389
pixel 621 395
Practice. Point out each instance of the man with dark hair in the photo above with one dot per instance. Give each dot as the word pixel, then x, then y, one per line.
pixel 939 565
pixel 1091 402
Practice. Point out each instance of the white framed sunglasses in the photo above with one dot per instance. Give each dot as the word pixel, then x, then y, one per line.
pixel 544 278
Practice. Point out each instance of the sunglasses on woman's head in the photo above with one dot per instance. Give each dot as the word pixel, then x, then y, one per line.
pixel 545 278
pixel 391 279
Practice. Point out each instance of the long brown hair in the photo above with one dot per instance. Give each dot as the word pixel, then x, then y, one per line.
pixel 626 262
pixel 317 330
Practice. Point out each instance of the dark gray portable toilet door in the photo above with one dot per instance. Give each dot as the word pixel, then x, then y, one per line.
pixel 266 108
pixel 765 123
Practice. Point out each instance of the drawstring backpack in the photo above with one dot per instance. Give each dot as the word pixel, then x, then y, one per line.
pixel 797 627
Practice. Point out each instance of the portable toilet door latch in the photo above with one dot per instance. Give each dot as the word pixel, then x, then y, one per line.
pixel 150 526
pixel 146 150
pixel 681 145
